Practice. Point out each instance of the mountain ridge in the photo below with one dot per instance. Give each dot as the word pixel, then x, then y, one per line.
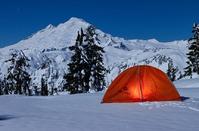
pixel 52 42
pixel 83 23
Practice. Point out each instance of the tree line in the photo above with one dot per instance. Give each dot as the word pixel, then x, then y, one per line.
pixel 192 58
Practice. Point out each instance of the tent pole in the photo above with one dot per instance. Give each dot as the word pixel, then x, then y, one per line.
pixel 140 82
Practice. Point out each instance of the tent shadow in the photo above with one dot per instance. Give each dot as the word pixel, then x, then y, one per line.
pixel 184 98
pixel 6 117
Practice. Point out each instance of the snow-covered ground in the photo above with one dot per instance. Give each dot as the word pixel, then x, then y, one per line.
pixel 85 113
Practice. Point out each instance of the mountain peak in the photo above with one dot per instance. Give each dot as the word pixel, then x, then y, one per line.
pixel 50 26
pixel 51 36
pixel 153 40
pixel 75 19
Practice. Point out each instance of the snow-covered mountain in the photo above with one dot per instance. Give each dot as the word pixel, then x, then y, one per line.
pixel 50 45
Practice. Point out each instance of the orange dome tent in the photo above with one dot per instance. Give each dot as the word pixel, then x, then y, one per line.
pixel 139 84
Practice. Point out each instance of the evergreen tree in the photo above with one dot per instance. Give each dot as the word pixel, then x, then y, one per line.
pixel 9 78
pixel 21 76
pixel 18 78
pixel 180 75
pixel 1 87
pixel 53 76
pixel 193 54
pixel 26 84
pixel 5 86
pixel 44 86
pixel 74 78
pixel 86 70
pixel 35 90
pixel 93 65
pixel 171 71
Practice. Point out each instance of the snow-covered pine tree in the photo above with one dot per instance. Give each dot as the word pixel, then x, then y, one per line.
pixel 193 54
pixel 74 77
pixel 26 84
pixel 188 70
pixel 53 76
pixel 180 75
pixel 21 75
pixel 1 87
pixel 94 66
pixel 9 77
pixel 44 86
pixel 4 86
pixel 18 78
pixel 171 71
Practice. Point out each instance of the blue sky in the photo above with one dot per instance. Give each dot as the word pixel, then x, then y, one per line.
pixel 165 20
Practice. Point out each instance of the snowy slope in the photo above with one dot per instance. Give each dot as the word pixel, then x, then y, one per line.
pixel 52 37
pixel 85 113
pixel 51 44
